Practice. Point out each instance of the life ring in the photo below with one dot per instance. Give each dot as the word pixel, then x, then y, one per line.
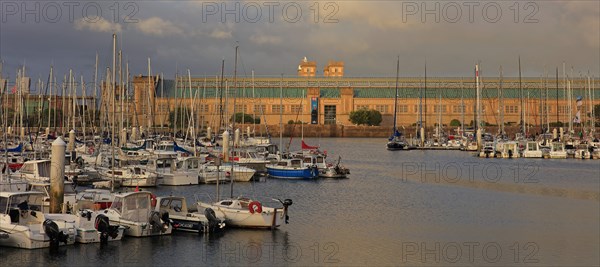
pixel 255 206
pixel 91 150
pixel 153 200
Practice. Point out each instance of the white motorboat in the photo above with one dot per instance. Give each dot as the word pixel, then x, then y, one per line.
pixel 188 220
pixel 209 175
pixel 532 150
pixel 251 159
pixel 174 172
pixel 69 195
pixel 507 150
pixel 248 213
pixel 134 211
pixel 557 151
pixel 488 150
pixel 93 227
pixel 34 171
pixel 234 171
pixel 583 151
pixel 132 176
pixel 26 226
pixel 95 199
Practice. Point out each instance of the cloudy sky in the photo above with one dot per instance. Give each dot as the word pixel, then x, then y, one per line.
pixel 273 36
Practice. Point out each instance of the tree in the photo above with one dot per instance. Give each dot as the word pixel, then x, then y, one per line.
pixel 366 117
pixel 247 118
pixel 454 122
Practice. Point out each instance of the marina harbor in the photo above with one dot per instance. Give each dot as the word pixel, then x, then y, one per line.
pixel 323 133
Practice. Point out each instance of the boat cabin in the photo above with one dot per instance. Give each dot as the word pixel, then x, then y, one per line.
pixel 14 203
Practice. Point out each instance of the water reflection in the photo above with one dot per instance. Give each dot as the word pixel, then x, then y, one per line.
pixel 386 214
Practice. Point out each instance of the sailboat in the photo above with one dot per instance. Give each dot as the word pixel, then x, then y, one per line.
pixel 242 211
pixel 396 141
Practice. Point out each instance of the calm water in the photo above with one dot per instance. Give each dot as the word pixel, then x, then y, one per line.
pixel 397 208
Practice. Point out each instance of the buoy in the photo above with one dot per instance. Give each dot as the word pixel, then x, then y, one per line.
pixel 255 206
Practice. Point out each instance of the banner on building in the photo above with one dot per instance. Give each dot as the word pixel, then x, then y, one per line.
pixel 314 110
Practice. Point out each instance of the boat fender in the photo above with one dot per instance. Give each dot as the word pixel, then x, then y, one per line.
pixel 153 200
pixel 255 206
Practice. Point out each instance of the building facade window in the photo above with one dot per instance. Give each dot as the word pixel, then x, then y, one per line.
pixel 240 108
pixel 458 109
pixel 277 109
pixel 296 109
pixel 260 109
pixel 402 108
pixel 511 109
pixel 358 107
pixel 203 108
pixel 382 108
pixel 424 108
pixel 439 108
pixel 563 109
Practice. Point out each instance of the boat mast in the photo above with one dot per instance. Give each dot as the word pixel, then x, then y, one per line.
pixel 557 107
pixel 149 110
pixel 462 108
pixel 501 104
pixel 396 96
pixel 95 94
pixel 281 116
pixel 50 97
pixel 234 117
pixel 522 114
pixel 221 87
pixel 83 107
pixel 478 102
pixel 112 138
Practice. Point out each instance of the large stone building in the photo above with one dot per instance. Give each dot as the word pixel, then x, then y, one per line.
pixel 326 100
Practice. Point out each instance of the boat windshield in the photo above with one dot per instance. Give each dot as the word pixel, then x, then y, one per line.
pixel 532 146
pixel 3 205
pixel 34 201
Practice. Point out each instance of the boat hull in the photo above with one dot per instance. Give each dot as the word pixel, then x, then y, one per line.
pixel 180 179
pixel 268 218
pixel 296 173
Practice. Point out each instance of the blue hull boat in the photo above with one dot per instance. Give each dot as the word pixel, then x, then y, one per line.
pixel 292 173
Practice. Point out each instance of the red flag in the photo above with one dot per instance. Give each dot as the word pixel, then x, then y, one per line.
pixel 307 147
pixel 14 89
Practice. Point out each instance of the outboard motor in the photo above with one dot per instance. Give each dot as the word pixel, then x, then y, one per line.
pixel 156 222
pixel 213 221
pixel 286 204
pixel 102 225
pixel 510 153
pixel 166 220
pixel 56 236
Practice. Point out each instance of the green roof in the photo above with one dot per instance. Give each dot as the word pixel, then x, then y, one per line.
pixel 367 89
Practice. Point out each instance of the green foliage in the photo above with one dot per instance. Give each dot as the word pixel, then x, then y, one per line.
pixel 454 122
pixel 246 118
pixel 366 117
